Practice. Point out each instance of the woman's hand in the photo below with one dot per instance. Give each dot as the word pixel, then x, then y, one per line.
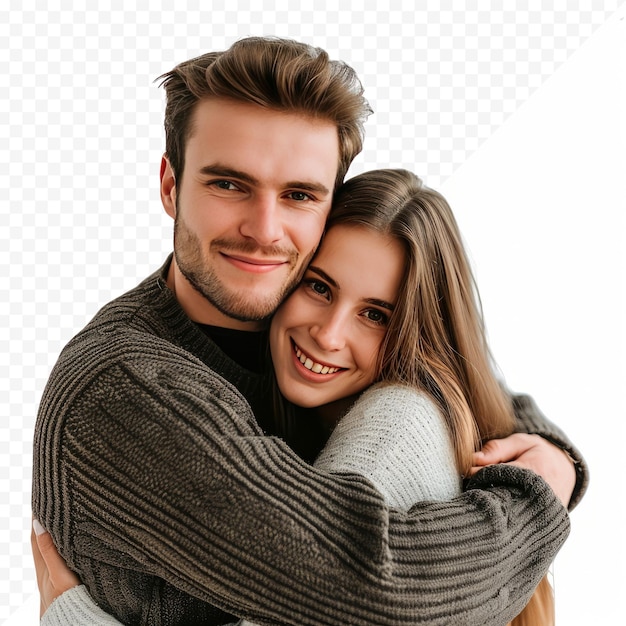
pixel 535 453
pixel 53 575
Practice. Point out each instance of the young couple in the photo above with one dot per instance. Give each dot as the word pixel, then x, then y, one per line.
pixel 151 472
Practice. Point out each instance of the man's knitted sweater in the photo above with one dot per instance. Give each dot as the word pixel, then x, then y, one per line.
pixel 393 435
pixel 174 507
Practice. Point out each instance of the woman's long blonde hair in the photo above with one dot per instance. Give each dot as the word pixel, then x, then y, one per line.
pixel 436 337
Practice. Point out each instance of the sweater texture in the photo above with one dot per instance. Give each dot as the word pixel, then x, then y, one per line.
pixel 393 435
pixel 174 507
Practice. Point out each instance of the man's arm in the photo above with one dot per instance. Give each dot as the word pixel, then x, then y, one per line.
pixel 393 435
pixel 188 490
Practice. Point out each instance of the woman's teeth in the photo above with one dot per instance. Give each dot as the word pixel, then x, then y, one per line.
pixel 318 368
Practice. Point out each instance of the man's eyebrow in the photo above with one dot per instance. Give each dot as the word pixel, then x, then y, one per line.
pixel 308 186
pixel 383 304
pixel 215 169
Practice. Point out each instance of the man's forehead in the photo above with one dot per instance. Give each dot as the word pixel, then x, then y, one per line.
pixel 213 109
pixel 256 142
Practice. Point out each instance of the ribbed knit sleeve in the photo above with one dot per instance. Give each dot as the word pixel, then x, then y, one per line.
pixel 172 506
pixel 393 435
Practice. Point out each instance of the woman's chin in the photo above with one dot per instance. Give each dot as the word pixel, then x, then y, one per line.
pixel 303 400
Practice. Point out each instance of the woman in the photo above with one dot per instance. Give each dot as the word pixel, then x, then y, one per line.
pixel 390 299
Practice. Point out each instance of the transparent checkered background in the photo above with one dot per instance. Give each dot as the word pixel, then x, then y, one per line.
pixel 81 135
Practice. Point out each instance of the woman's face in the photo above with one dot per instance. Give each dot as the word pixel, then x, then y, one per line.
pixel 326 336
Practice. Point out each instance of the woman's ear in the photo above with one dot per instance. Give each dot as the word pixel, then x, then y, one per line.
pixel 168 187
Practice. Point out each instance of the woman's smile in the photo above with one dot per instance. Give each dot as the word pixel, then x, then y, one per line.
pixel 311 365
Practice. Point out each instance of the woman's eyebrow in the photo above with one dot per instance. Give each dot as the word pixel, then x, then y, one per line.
pixel 322 274
pixel 381 303
pixel 375 301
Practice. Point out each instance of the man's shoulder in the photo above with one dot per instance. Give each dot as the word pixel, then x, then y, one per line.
pixel 146 323
pixel 143 340
pixel 139 346
pixel 149 313
pixel 145 299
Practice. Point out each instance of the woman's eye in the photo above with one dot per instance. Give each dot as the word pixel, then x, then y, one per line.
pixel 376 316
pixel 320 288
pixel 317 287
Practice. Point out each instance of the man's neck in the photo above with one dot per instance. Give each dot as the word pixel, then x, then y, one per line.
pixel 247 349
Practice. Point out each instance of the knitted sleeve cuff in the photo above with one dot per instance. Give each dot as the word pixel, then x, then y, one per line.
pixel 76 607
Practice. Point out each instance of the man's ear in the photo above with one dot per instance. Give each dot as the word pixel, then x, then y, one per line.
pixel 168 187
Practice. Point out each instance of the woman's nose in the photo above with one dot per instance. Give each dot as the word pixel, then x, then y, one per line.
pixel 330 333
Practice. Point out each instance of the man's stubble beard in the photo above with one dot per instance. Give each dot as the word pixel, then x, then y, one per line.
pixel 204 279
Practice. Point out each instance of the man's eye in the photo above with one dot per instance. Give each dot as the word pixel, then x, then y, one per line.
pixel 224 184
pixel 299 196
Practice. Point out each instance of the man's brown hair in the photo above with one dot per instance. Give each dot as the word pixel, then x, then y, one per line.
pixel 280 74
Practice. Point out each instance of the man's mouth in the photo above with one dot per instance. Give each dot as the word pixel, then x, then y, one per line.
pixel 314 366
pixel 254 264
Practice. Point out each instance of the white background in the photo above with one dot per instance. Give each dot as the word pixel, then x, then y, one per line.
pixel 515 114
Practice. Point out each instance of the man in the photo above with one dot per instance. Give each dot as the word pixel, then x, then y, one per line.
pixel 171 498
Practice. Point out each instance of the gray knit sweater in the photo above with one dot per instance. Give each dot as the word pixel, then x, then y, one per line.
pixel 393 435
pixel 173 506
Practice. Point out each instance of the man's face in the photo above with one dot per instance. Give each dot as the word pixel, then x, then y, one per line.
pixel 250 209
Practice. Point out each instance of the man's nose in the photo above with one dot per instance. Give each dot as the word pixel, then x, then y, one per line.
pixel 262 221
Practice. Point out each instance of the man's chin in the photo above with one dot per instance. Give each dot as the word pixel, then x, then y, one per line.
pixel 259 303
pixel 255 311
pixel 247 315
pixel 243 300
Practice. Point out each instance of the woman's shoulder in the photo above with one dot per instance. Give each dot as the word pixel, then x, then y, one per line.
pixel 399 399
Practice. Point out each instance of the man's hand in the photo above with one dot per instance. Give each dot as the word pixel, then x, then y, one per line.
pixel 535 453
pixel 53 575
